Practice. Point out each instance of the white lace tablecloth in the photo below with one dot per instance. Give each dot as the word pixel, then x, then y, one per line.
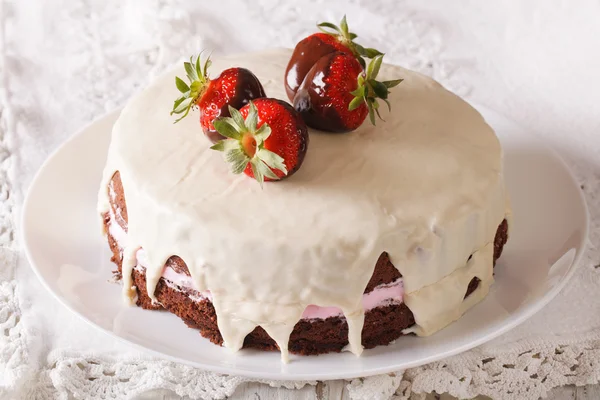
pixel 65 62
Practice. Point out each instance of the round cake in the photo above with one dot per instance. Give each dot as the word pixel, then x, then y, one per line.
pixel 386 230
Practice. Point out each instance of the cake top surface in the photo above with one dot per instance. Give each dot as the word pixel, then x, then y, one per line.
pixel 404 186
pixel 432 155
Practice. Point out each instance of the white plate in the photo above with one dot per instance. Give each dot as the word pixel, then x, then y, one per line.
pixel 62 240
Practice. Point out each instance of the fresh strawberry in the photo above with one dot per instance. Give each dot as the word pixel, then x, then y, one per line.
pixel 310 49
pixel 337 95
pixel 235 87
pixel 266 139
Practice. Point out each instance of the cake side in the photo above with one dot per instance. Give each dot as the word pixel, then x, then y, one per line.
pixel 310 336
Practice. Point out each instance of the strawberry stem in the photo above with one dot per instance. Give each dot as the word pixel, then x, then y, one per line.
pixel 191 93
pixel 370 89
pixel 249 145
pixel 343 34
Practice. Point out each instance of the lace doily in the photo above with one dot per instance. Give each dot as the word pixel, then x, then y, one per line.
pixel 64 62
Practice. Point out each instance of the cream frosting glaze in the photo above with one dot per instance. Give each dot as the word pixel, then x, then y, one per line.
pixel 426 186
pixel 381 295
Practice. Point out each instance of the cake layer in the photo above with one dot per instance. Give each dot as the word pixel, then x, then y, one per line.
pixel 426 186
pixel 309 337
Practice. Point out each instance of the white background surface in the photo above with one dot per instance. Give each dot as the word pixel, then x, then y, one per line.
pixel 63 63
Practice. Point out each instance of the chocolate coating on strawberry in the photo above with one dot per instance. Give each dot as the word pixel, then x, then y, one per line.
pixel 234 87
pixel 310 49
pixel 266 139
pixel 246 87
pixel 337 95
pixel 322 99
pixel 306 54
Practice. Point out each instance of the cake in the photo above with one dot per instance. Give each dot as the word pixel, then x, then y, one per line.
pixel 387 230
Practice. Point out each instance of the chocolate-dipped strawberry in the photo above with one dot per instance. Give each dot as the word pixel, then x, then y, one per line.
pixel 235 87
pixel 266 139
pixel 337 94
pixel 310 49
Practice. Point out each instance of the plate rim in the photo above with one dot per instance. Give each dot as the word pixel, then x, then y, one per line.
pixel 285 376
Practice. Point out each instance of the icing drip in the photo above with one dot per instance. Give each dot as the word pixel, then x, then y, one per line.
pixel 426 186
pixel 355 322
pixel 450 291
pixel 129 262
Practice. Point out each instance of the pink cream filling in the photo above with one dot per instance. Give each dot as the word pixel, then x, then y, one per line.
pixel 382 295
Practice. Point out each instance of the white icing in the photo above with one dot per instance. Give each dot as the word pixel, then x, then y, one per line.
pixel 381 295
pixel 426 186
pixel 449 292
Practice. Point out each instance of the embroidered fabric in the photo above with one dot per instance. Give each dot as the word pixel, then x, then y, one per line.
pixel 64 62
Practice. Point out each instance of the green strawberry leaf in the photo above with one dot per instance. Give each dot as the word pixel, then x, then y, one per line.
pixel 219 146
pixel 252 118
pixel 369 89
pixel 238 160
pixel 371 52
pixel 359 91
pixel 356 102
pixel 343 34
pixel 374 66
pixel 265 170
pixel 183 105
pixel 199 68
pixel 272 159
pixel 393 83
pixel 328 25
pixel 238 118
pixel 225 145
pixel 371 113
pixel 262 134
pixel 362 62
pixel 379 88
pixel 190 71
pixel 378 115
pixel 227 127
pixel 195 86
pixel 181 85
pixel 257 173
pixel 178 102
pixel 192 92
pixel 344 26
pixel 388 104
